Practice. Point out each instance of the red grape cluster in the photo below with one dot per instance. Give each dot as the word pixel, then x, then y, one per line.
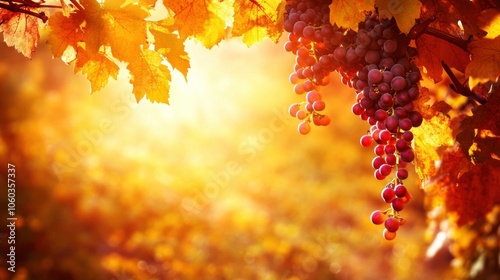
pixel 310 39
pixel 375 61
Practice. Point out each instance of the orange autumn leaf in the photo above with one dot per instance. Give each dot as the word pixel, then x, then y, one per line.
pixel 485 63
pixel 199 19
pixel 405 12
pixel 150 77
pixel 432 136
pixel 255 20
pixel 348 13
pixel 20 30
pixel 431 51
pixel 489 21
pixel 172 47
pixel 480 133
pixel 97 68
pixel 65 31
pixel 475 192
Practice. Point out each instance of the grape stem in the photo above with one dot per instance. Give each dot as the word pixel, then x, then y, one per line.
pixel 459 87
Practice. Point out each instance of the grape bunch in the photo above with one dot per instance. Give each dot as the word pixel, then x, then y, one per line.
pixel 376 61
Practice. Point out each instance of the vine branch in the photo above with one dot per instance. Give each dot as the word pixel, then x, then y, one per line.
pixel 424 28
pixel 19 8
pixel 459 87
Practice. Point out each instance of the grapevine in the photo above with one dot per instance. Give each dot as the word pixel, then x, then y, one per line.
pixel 376 61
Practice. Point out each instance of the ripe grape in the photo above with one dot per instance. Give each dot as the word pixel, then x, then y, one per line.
pixel 388 235
pixel 375 62
pixel 391 224
pixel 377 217
pixel 304 127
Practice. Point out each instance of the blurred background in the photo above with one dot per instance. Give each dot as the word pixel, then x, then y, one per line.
pixel 218 185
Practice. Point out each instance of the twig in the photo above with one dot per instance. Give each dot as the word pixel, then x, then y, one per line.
pixel 17 9
pixel 424 28
pixel 448 37
pixel 459 87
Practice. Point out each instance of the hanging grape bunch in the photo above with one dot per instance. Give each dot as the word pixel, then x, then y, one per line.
pixel 375 62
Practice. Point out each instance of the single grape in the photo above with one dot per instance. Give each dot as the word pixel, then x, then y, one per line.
pixel 379 150
pixel 301 114
pixel 318 105
pixel 357 109
pixel 390 46
pixel 402 174
pixel 366 140
pixel 391 159
pixel 397 204
pixel 391 224
pixel 304 127
pixel 408 136
pixel 407 155
pixel 385 169
pixel 388 235
pixel 388 194
pixel 377 217
pixel 398 83
pixel 374 76
pixel 389 149
pixel 392 124
pixel 405 124
pixel 293 109
pixel 312 96
pixel 400 191
pixel 377 162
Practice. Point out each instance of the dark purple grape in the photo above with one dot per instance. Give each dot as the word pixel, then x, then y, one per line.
pixel 392 124
pixel 383 88
pixel 374 76
pixel 298 28
pixel 388 76
pixel 407 155
pixel 402 174
pixel 416 118
pixel 401 145
pixel 398 83
pixel 408 136
pixel 405 124
pixel 339 54
pixel 372 56
pixel 398 70
pixel 400 112
pixel 381 115
pixel 386 101
pixel 390 46
pixel 402 97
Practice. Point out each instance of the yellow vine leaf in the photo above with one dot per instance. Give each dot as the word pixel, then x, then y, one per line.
pixel 64 32
pixel 434 134
pixel 256 20
pixel 489 21
pixel 120 27
pixel 150 77
pixel 348 13
pixel 97 68
pixel 172 47
pixel 20 30
pixel 485 63
pixel 198 19
pixel 405 12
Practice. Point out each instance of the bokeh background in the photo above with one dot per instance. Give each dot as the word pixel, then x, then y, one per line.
pixel 218 185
